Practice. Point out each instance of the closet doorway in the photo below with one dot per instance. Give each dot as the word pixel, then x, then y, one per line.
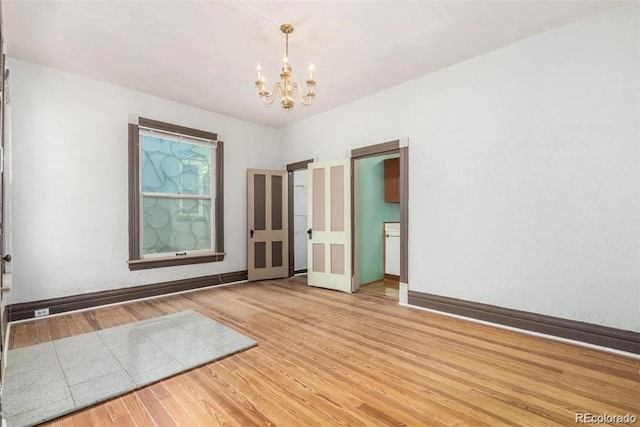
pixel 380 200
pixel 297 194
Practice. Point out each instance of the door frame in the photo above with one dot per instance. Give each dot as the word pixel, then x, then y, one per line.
pixel 396 146
pixel 292 167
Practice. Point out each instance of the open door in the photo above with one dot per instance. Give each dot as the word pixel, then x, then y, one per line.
pixel 329 243
pixel 268 231
pixel 5 258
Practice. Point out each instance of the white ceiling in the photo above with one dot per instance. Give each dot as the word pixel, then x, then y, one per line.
pixel 204 53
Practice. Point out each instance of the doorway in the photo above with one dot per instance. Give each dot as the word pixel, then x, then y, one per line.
pixel 332 197
pixel 380 218
pixel 298 213
pixel 378 223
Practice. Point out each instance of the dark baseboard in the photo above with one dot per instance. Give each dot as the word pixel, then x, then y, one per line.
pixel 304 270
pixel 391 277
pixel 579 331
pixel 94 299
pixel 5 328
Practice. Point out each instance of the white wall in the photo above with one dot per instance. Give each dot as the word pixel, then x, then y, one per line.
pixel 69 200
pixel 524 170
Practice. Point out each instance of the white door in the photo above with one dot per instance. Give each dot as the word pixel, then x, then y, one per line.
pixel 329 219
pixel 4 258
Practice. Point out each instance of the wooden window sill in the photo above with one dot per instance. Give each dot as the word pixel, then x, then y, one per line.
pixel 143 264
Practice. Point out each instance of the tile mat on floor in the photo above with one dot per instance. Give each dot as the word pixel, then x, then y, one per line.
pixel 48 380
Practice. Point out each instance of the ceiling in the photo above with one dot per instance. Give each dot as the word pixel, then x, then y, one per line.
pixel 204 53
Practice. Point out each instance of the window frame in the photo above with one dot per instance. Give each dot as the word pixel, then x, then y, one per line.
pixel 181 197
pixel 136 260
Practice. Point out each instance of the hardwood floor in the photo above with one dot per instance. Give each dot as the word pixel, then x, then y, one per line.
pixel 388 288
pixel 327 358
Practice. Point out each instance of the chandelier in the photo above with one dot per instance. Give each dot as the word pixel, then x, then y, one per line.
pixel 286 87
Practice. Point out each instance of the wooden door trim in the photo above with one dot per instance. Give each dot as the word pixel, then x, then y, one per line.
pixel 355 225
pixel 404 215
pixel 291 168
pixel 298 165
pixel 376 150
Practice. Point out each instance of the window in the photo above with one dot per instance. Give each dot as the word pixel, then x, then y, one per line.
pixel 175 195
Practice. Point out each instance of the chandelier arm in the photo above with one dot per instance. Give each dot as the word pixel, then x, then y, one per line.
pixel 307 98
pixel 270 97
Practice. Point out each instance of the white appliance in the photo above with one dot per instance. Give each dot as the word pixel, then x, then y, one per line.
pixel 392 248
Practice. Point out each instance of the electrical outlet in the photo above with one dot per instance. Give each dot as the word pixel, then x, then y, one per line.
pixel 42 312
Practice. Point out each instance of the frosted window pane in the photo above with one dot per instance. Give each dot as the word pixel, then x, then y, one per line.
pixel 176 225
pixel 174 167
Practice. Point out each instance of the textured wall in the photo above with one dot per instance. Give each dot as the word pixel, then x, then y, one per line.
pixel 69 195
pixel 523 170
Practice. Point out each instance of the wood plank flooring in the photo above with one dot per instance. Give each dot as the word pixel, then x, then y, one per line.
pixel 388 288
pixel 326 358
